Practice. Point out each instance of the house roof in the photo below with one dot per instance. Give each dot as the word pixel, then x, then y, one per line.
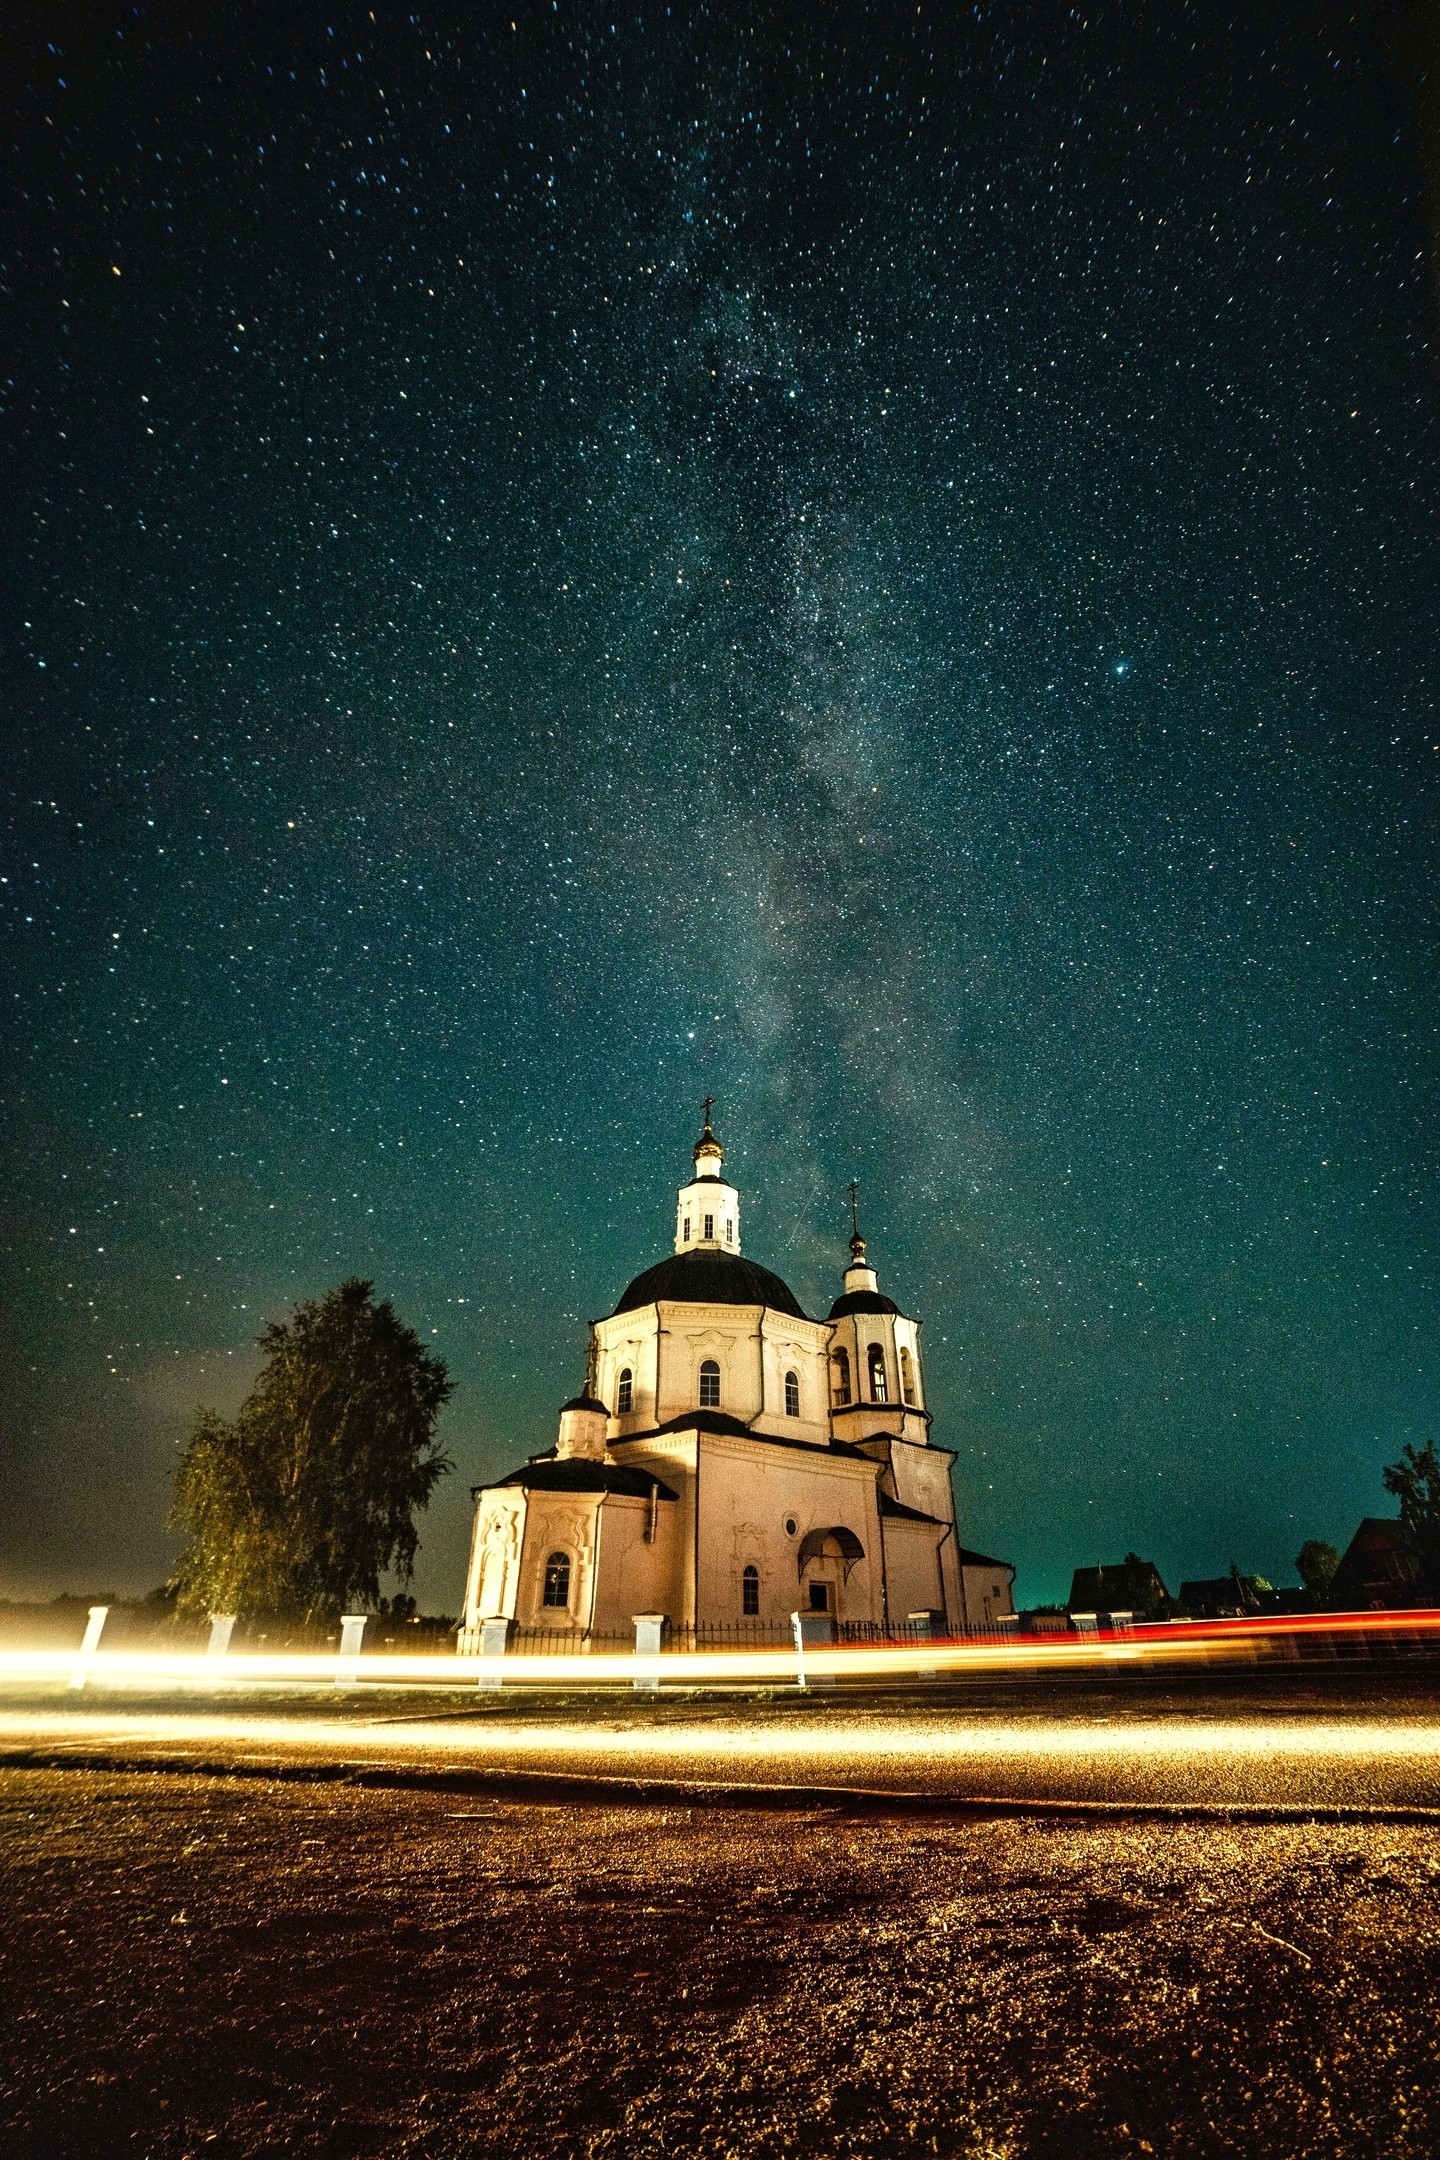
pixel 1380 1533
pixel 1114 1583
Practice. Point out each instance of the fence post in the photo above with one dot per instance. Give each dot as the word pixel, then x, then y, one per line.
pixel 649 1636
pixel 81 1672
pixel 494 1642
pixel 922 1627
pixel 222 1627
pixel 811 1629
pixel 352 1631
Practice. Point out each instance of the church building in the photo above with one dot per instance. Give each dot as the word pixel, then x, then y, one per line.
pixel 732 1461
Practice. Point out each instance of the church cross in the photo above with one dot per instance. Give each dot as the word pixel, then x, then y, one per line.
pixel 709 1106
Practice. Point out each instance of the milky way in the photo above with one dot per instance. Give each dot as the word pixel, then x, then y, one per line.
pixel 882 571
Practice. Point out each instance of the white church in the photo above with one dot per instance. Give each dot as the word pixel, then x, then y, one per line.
pixel 731 1461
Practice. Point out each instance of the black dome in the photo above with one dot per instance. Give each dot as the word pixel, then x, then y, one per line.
pixel 710 1278
pixel 862 1301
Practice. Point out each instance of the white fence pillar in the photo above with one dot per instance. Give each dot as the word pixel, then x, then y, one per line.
pixel 352 1634
pixel 222 1627
pixel 811 1631
pixel 494 1642
pixel 922 1627
pixel 649 1637
pixel 93 1627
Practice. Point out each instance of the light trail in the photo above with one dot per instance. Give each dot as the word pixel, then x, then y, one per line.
pixel 1367 1761
pixel 1293 1637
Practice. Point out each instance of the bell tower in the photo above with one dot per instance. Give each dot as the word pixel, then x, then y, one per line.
pixel 707 1210
pixel 876 1385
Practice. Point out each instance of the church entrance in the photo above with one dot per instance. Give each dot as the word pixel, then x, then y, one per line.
pixel 826 1558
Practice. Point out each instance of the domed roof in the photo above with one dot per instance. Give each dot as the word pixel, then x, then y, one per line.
pixel 710 1278
pixel 862 1301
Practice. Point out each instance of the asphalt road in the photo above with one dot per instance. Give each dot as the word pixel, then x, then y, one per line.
pixel 1364 1746
pixel 254 1966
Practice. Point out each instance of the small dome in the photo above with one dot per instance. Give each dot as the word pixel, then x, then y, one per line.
pixel 584 1401
pixel 710 1278
pixel 862 1301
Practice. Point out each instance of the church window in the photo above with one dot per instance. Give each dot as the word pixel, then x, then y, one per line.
pixel 557 1581
pixel 907 1377
pixel 819 1596
pixel 792 1394
pixel 750 1590
pixel 624 1392
pixel 879 1386
pixel 729 1231
pixel 841 1364
pixel 709 1230
pixel 709 1385
pixel 686 1238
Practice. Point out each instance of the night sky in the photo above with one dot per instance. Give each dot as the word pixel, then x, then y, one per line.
pixel 883 570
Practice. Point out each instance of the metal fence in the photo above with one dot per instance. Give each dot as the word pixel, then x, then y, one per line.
pixel 732 1635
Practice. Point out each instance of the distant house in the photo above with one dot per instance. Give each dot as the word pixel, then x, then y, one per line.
pixel 1130 1585
pixel 1380 1571
pixel 986 1589
pixel 1225 1597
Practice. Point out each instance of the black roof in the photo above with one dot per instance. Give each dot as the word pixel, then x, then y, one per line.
pixel 576 1474
pixel 585 1401
pixel 890 1506
pixel 862 1301
pixel 720 1421
pixel 710 1278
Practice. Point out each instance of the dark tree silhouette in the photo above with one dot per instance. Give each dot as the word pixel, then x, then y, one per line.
pixel 300 1504
pixel 1415 1482
pixel 1315 1564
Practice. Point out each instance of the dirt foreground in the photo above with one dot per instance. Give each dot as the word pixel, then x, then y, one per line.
pixel 200 1965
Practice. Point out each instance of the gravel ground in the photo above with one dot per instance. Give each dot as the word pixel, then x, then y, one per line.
pixel 199 1965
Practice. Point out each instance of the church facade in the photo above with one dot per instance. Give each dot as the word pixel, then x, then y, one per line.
pixel 732 1461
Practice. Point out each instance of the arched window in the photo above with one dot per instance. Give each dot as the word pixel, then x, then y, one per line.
pixel 879 1386
pixel 709 1385
pixel 624 1392
pixel 907 1377
pixel 841 1364
pixel 557 1581
pixel 792 1394
pixel 750 1590
pixel 709 1230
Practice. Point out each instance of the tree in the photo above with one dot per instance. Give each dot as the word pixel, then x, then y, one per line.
pixel 300 1504
pixel 1315 1564
pixel 1415 1482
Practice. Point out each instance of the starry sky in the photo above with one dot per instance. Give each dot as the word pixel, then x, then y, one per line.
pixel 880 567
